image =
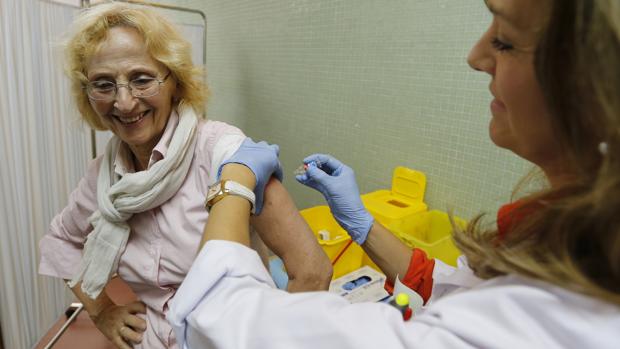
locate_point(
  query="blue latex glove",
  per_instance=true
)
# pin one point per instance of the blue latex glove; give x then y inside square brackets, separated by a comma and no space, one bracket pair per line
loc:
[262,159]
[336,181]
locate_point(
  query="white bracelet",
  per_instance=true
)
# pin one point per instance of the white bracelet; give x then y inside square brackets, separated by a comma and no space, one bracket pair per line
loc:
[223,188]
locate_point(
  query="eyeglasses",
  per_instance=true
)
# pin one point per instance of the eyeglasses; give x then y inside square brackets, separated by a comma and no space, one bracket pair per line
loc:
[141,87]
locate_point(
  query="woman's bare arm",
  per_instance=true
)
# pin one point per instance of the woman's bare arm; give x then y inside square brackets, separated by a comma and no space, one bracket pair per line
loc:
[286,233]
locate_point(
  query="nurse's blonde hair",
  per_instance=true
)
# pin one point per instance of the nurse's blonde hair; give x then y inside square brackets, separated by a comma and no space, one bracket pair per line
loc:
[570,235]
[163,41]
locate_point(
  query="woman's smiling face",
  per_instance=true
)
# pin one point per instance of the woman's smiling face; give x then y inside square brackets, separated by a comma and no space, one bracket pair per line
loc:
[123,57]
[521,121]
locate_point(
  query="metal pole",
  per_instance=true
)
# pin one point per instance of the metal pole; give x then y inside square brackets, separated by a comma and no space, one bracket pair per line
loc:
[64,327]
[178,8]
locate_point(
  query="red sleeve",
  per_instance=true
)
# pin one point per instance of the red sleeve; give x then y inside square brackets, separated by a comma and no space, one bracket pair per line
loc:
[419,275]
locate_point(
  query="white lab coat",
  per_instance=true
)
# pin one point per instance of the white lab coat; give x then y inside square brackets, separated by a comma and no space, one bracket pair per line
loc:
[228,300]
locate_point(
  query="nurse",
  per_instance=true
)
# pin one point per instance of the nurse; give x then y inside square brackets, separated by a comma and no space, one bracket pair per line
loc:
[548,277]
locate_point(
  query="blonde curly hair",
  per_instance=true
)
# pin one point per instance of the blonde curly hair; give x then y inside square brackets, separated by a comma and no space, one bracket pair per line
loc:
[163,41]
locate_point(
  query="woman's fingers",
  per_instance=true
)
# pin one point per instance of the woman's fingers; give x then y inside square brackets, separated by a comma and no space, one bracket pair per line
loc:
[134,325]
[122,325]
[120,343]
[130,335]
[135,322]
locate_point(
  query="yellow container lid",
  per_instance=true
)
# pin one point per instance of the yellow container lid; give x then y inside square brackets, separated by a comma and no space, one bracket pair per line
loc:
[394,207]
[405,197]
[409,183]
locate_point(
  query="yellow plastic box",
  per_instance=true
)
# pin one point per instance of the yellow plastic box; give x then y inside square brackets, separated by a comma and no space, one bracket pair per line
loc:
[431,231]
[402,211]
[320,220]
[394,208]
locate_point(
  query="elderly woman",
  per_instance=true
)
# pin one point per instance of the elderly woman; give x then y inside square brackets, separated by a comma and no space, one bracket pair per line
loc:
[140,209]
[547,277]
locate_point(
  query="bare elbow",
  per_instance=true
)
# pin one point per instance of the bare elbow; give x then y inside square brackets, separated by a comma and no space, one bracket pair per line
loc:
[315,275]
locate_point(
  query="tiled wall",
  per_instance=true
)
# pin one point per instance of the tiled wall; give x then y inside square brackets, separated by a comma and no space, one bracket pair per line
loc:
[375,83]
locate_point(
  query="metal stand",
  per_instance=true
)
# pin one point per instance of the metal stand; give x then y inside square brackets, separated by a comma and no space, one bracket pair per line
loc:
[78,309]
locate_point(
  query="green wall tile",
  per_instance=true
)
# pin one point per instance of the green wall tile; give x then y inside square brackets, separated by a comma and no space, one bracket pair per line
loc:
[375,83]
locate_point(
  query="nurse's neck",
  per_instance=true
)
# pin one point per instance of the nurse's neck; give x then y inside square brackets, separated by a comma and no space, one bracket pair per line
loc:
[558,175]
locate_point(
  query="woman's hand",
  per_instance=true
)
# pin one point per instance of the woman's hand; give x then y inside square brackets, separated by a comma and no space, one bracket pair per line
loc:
[121,325]
[262,159]
[336,181]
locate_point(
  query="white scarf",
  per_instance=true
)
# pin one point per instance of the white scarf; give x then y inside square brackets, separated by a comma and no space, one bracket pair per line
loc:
[135,192]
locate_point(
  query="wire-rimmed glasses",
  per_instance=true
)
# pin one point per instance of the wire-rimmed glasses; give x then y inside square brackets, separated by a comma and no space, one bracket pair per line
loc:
[142,87]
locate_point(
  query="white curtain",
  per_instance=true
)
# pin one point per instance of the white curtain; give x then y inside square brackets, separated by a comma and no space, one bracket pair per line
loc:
[43,153]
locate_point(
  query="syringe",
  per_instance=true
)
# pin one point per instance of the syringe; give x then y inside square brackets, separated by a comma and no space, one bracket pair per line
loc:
[304,167]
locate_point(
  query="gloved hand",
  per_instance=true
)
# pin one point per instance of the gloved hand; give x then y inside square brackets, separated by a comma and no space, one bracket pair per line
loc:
[336,181]
[262,159]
